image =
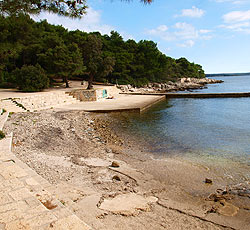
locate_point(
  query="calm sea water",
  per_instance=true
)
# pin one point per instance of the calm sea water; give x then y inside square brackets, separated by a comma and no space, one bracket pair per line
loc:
[216,129]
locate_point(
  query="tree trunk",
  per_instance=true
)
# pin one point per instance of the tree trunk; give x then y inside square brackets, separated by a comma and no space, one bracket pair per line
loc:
[65,79]
[90,81]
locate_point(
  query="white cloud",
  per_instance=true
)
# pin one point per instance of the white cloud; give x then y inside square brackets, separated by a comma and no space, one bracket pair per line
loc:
[236,16]
[162,28]
[205,31]
[238,21]
[181,32]
[89,23]
[194,12]
[187,44]
[236,26]
[162,32]
[185,31]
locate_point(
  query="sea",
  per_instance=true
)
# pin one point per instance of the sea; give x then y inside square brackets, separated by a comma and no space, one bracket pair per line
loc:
[213,132]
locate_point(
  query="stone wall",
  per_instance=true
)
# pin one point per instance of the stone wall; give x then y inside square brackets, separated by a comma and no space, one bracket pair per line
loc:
[84,94]
[95,94]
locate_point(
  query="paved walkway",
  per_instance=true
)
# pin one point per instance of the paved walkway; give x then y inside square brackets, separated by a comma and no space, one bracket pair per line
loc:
[120,103]
[24,201]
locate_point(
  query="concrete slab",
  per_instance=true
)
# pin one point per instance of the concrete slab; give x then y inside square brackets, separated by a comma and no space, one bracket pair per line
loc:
[3,119]
[136,103]
[128,204]
[120,102]
[69,223]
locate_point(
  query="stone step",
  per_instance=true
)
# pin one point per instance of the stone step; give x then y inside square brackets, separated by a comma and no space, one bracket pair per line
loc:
[10,106]
[3,118]
[26,202]
[39,102]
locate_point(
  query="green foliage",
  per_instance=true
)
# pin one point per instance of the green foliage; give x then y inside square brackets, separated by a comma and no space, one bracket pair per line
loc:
[2,135]
[30,78]
[70,8]
[3,111]
[90,56]
[62,61]
[10,114]
[98,64]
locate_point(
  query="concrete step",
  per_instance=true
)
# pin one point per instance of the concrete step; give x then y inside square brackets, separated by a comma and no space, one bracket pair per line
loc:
[26,203]
[10,106]
[46,100]
[38,102]
[3,118]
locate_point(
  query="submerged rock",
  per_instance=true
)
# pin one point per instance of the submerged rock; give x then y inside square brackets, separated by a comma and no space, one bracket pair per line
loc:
[227,209]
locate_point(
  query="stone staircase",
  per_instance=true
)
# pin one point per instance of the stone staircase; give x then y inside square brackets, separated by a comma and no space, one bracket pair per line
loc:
[8,105]
[37,102]
[25,200]
[3,118]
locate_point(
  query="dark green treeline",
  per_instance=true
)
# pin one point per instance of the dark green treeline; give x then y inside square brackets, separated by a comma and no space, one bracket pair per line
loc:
[32,54]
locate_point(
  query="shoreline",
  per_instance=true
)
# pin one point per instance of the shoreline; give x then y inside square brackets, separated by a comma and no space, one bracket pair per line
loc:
[120,103]
[85,144]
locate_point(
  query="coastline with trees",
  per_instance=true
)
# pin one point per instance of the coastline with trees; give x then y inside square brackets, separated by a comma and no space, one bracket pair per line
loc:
[62,54]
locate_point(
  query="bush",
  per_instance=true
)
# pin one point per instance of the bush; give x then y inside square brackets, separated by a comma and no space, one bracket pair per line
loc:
[30,78]
[141,82]
[2,135]
[3,111]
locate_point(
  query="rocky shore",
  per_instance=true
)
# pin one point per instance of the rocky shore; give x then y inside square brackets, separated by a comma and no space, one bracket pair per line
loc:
[110,182]
[181,85]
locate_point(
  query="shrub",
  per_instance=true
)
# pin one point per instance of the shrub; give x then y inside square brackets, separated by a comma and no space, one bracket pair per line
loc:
[3,111]
[2,135]
[30,78]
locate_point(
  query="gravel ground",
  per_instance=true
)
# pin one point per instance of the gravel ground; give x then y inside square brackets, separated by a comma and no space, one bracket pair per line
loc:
[73,151]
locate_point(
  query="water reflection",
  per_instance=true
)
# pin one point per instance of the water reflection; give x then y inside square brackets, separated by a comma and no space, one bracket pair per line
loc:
[218,127]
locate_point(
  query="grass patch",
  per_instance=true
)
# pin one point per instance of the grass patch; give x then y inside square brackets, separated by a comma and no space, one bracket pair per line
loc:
[10,113]
[3,111]
[2,135]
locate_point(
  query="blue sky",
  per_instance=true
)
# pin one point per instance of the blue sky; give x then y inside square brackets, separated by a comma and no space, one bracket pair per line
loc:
[213,33]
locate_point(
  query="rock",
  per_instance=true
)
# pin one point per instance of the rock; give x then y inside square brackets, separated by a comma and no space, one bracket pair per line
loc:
[116,178]
[227,209]
[115,164]
[127,204]
[216,197]
[124,88]
[208,181]
[157,85]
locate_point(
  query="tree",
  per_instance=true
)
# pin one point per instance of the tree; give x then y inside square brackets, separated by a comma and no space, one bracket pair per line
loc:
[30,78]
[62,61]
[96,63]
[69,8]
[105,58]
[123,58]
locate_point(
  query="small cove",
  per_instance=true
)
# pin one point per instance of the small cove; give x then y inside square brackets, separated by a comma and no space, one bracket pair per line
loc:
[214,132]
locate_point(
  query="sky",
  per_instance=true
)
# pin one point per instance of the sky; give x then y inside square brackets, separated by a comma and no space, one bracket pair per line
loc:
[212,33]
